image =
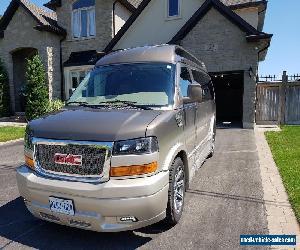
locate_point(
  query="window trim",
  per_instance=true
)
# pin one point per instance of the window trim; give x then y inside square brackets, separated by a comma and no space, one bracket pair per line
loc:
[68,79]
[169,18]
[88,24]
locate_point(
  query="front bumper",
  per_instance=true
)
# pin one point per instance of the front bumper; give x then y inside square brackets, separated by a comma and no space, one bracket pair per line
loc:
[97,207]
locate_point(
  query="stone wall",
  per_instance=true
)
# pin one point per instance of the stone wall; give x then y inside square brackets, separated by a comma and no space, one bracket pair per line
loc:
[19,34]
[222,46]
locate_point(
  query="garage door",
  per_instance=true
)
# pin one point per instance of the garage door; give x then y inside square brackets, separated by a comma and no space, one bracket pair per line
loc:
[229,88]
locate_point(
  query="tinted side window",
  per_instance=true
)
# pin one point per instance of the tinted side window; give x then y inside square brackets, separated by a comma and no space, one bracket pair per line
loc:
[204,80]
[185,80]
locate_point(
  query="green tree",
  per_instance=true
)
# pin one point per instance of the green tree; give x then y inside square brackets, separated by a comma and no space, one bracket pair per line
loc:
[4,92]
[37,95]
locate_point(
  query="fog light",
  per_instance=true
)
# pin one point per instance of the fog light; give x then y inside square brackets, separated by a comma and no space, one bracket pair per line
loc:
[49,217]
[78,223]
[128,218]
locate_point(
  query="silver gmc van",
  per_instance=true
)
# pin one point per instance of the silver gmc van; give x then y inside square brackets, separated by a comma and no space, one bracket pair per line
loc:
[122,152]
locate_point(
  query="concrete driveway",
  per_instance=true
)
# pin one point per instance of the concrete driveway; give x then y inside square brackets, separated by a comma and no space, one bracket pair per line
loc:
[225,200]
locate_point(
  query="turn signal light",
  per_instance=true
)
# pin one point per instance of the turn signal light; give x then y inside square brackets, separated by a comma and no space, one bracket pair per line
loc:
[29,162]
[133,170]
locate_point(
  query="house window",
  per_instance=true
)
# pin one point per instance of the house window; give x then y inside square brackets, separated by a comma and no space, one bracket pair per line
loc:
[173,8]
[77,77]
[83,19]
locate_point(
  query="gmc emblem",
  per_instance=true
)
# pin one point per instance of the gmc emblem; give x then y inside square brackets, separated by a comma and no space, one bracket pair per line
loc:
[64,159]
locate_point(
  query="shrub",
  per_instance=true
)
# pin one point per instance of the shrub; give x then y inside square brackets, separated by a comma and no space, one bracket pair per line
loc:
[37,95]
[4,92]
[55,105]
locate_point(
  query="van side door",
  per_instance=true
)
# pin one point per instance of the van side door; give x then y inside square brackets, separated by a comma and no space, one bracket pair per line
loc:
[189,110]
[203,116]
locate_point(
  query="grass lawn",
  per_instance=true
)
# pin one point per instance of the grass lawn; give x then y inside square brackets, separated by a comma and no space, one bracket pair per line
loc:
[11,133]
[285,147]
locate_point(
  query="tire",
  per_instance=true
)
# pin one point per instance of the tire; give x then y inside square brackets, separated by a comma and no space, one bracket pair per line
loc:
[177,184]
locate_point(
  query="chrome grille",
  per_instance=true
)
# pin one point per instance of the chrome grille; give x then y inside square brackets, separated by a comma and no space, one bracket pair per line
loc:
[95,157]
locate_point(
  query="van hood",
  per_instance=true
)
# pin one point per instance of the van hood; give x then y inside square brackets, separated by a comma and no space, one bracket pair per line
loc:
[86,124]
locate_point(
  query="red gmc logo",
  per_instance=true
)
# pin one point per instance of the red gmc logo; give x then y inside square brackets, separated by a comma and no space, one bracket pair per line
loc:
[64,159]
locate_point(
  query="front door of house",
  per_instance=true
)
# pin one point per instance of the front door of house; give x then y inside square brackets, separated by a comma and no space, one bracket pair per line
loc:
[20,57]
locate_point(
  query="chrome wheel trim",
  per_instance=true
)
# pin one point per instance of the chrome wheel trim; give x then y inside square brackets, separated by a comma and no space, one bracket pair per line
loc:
[178,189]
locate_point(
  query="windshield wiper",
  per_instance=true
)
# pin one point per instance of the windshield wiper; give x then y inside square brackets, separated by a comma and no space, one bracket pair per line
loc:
[83,104]
[79,103]
[128,103]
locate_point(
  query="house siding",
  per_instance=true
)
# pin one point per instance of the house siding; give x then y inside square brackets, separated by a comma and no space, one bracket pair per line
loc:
[104,31]
[121,16]
[152,26]
[222,46]
[250,15]
[21,34]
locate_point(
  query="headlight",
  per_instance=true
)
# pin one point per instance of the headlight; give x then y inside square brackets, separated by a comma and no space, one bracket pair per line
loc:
[139,146]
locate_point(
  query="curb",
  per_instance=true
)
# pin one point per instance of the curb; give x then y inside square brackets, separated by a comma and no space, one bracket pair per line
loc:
[11,142]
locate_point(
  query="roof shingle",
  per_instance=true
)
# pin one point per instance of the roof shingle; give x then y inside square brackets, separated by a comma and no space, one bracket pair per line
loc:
[47,21]
[135,3]
[235,4]
[53,4]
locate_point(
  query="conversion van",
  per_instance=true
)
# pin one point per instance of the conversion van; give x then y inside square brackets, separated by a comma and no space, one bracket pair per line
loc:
[122,152]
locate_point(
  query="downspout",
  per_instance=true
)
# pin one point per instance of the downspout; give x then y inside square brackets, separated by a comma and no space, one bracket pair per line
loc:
[114,19]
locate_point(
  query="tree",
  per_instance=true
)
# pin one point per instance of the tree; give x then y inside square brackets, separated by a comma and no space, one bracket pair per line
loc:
[37,95]
[4,92]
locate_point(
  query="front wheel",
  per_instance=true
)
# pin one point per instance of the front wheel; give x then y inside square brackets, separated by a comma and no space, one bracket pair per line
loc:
[176,192]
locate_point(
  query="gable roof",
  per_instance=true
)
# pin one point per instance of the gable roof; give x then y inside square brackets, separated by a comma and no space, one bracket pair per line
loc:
[225,5]
[131,5]
[127,25]
[47,21]
[252,34]
[239,4]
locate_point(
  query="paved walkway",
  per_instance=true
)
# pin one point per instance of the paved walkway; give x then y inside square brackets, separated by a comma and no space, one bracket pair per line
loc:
[280,216]
[13,124]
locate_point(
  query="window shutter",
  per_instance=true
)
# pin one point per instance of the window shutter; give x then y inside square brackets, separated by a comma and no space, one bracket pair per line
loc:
[92,26]
[84,23]
[76,24]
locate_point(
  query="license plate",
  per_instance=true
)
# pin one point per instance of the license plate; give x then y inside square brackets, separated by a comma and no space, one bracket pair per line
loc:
[62,206]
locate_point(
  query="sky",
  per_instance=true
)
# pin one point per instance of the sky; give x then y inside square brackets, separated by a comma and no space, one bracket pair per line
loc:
[282,20]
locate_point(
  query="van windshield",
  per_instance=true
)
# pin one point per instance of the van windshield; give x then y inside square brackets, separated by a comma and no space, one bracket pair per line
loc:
[144,84]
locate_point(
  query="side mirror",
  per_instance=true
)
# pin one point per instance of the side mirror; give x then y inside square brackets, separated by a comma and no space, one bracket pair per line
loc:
[194,93]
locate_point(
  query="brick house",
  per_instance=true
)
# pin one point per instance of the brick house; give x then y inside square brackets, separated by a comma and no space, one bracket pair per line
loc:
[226,34]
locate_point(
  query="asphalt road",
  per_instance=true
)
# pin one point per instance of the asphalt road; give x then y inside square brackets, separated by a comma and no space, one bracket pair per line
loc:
[225,200]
